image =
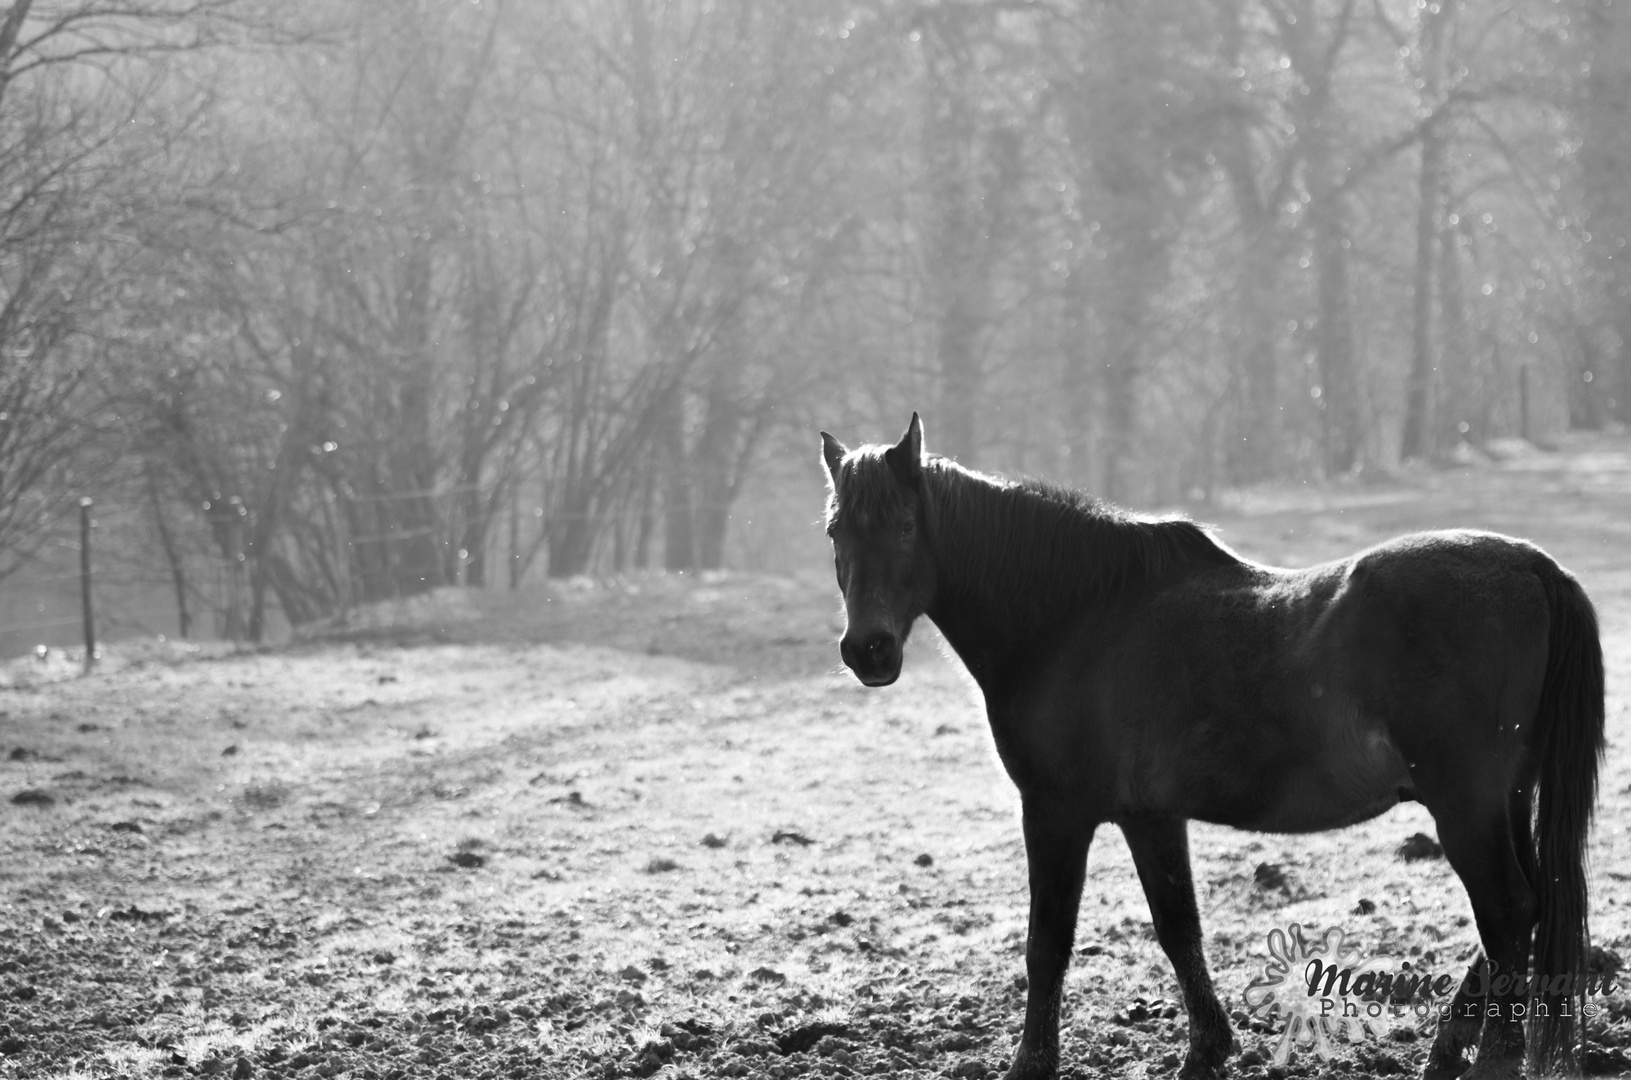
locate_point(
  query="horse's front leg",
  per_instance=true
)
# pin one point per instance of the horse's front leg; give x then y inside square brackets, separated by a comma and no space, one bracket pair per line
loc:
[1056,846]
[1160,850]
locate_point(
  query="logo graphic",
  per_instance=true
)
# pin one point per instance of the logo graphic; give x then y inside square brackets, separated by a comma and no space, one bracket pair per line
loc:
[1326,990]
[1317,1021]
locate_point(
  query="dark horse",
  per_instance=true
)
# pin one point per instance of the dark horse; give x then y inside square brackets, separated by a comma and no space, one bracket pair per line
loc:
[1137,671]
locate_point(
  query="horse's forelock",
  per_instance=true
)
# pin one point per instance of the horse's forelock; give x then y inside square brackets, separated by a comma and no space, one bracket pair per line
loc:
[867,490]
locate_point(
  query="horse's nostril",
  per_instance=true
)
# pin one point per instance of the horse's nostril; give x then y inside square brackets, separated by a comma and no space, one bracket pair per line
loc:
[879,644]
[874,649]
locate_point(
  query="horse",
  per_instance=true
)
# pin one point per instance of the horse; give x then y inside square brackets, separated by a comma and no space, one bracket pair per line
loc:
[1138,672]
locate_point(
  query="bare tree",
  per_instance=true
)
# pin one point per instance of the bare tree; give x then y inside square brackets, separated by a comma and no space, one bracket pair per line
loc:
[87,128]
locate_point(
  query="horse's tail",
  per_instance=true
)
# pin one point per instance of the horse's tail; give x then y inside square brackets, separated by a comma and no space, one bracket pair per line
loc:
[1570,745]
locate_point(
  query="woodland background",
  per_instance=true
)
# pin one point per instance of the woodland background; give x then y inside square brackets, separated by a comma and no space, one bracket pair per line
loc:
[330,303]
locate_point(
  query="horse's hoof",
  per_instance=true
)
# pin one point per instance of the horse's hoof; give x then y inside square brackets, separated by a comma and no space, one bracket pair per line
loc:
[1206,1060]
[1026,1067]
[1445,1072]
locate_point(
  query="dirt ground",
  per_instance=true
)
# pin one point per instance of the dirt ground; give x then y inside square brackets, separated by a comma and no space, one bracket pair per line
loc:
[653,826]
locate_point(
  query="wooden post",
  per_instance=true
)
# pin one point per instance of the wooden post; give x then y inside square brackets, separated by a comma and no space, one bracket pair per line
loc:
[85,582]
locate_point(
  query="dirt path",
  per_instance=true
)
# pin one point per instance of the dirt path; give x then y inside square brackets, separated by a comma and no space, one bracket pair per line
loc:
[607,832]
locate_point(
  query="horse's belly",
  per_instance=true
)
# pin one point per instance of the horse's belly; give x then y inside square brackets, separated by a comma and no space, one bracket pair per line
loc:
[1305,811]
[1351,777]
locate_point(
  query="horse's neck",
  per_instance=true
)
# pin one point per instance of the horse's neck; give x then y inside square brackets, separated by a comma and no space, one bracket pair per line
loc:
[1017,566]
[996,593]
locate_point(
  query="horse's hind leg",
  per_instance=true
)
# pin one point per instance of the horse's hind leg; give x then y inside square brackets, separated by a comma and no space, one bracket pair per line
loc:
[1458,1031]
[1056,852]
[1483,851]
[1160,850]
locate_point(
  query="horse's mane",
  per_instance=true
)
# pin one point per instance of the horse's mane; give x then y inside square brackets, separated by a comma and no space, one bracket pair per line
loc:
[1048,546]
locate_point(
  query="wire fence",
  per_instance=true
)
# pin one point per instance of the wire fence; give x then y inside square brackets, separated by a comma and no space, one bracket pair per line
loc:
[132,589]
[195,582]
[182,582]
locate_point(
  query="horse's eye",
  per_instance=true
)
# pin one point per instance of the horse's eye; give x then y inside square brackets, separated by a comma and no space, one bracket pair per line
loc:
[908,527]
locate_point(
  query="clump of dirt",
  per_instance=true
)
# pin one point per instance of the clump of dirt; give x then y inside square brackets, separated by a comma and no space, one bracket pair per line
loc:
[1420,846]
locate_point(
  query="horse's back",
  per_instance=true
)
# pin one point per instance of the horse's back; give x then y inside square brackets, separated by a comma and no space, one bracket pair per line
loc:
[1459,565]
[1439,612]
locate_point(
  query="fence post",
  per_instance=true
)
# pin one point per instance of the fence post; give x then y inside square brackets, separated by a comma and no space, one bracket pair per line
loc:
[85,582]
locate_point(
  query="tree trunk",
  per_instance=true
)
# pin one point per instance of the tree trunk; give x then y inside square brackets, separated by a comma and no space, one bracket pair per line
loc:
[1467,395]
[715,465]
[1124,148]
[1253,429]
[1253,451]
[516,566]
[1135,271]
[648,517]
[969,217]
[1314,61]
[478,517]
[952,267]
[172,555]
[571,537]
[679,537]
[1622,404]
[620,546]
[1416,439]
[418,563]
[1605,162]
[1334,335]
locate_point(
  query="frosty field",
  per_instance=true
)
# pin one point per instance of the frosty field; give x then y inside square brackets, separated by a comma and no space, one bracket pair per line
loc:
[653,826]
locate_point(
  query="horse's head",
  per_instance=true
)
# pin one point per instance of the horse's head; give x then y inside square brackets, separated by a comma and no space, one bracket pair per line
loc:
[885,570]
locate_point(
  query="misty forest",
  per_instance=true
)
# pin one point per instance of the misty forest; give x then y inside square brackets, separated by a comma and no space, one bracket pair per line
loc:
[324,303]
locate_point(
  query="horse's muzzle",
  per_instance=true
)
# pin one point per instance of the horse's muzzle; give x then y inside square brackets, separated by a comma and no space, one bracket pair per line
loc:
[875,658]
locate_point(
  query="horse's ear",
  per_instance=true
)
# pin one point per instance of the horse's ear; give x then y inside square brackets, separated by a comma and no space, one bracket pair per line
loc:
[906,456]
[832,452]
